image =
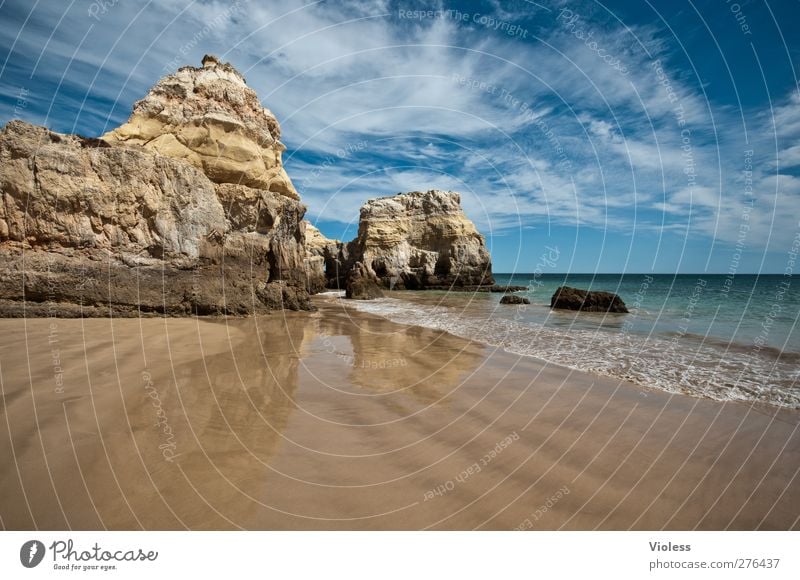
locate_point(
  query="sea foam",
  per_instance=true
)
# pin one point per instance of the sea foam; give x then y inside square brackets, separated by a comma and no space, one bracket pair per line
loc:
[679,364]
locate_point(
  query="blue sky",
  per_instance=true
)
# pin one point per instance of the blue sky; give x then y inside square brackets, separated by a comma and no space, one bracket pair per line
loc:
[632,136]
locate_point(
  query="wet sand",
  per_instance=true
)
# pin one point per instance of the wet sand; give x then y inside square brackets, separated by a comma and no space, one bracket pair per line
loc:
[338,420]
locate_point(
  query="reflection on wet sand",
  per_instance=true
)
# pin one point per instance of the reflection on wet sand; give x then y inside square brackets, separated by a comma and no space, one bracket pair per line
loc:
[396,360]
[174,423]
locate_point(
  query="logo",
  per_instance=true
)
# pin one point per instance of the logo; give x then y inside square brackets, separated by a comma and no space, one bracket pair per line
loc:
[31,553]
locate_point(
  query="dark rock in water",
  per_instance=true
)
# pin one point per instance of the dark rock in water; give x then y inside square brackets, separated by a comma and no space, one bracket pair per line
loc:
[514,299]
[362,284]
[568,298]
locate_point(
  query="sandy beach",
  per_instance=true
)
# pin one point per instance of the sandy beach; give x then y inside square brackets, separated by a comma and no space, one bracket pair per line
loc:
[341,420]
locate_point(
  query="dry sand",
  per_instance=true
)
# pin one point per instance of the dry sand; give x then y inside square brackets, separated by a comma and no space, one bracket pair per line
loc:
[337,420]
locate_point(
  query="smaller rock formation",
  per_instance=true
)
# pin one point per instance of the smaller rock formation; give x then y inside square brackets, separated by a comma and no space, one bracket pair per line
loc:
[327,261]
[514,299]
[568,298]
[412,241]
[362,284]
[422,240]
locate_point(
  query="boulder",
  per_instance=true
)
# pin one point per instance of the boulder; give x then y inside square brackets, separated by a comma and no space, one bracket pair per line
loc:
[362,284]
[568,298]
[514,299]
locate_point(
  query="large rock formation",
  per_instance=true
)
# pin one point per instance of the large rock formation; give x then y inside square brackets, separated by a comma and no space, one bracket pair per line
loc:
[568,298]
[136,224]
[213,120]
[418,240]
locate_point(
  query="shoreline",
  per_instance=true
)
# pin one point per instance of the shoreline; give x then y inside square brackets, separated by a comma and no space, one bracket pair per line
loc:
[604,345]
[755,406]
[337,419]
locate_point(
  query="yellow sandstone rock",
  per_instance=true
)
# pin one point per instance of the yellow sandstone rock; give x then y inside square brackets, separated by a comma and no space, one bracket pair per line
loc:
[209,117]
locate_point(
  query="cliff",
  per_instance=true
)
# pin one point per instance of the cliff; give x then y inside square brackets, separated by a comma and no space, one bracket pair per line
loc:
[185,209]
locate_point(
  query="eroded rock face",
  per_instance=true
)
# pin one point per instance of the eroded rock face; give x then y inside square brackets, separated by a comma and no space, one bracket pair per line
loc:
[421,240]
[209,117]
[362,284]
[59,192]
[568,298]
[125,226]
[316,250]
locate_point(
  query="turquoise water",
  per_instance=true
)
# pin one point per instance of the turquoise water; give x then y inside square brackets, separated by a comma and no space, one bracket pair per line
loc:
[726,338]
[745,309]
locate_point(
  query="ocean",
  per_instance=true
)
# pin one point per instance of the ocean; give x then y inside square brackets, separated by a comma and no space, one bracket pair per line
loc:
[729,338]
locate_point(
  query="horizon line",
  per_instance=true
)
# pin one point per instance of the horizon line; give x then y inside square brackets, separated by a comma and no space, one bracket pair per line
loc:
[643,273]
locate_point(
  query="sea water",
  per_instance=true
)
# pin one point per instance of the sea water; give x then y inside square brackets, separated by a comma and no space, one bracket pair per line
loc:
[717,336]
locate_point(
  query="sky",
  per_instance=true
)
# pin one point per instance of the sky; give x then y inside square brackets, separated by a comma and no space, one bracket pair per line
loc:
[627,136]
